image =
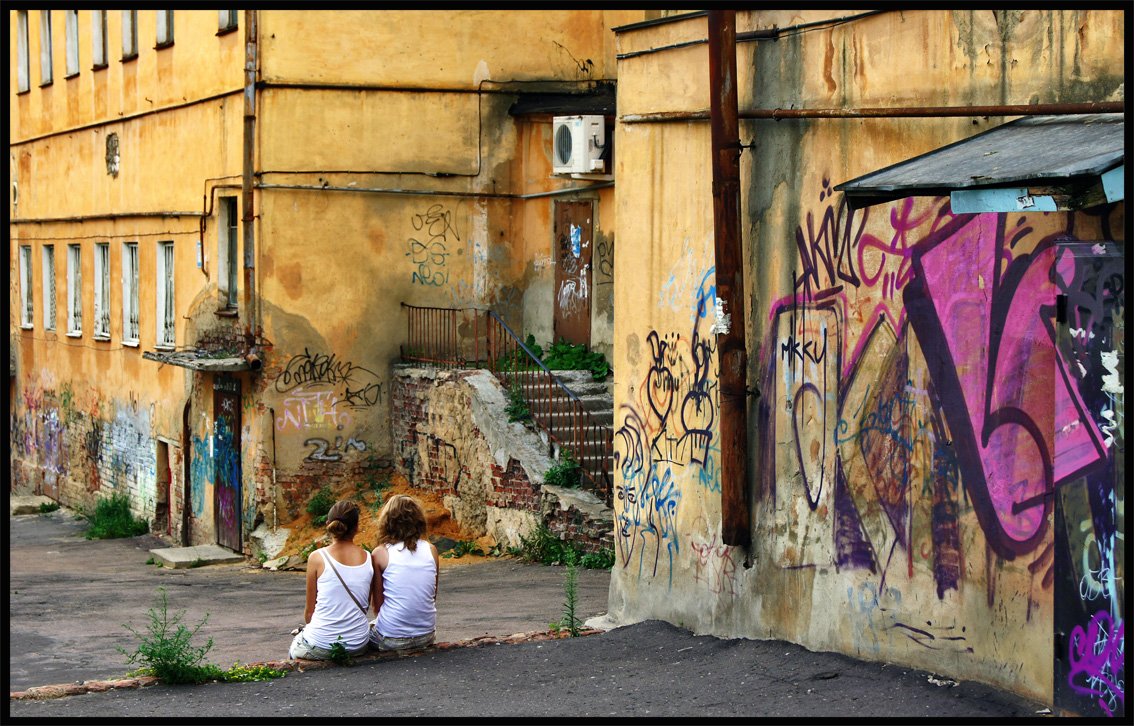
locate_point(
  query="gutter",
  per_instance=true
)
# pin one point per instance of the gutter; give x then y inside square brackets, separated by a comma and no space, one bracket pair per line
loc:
[248,212]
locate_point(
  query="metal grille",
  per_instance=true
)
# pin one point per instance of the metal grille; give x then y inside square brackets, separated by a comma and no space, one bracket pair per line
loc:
[74,289]
[49,287]
[167,316]
[102,291]
[25,284]
[130,292]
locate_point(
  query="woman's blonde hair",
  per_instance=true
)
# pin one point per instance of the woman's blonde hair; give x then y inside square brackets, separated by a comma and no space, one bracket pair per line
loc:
[342,520]
[401,520]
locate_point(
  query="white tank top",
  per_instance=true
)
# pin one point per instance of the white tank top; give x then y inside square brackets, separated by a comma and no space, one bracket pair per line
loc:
[409,585]
[335,613]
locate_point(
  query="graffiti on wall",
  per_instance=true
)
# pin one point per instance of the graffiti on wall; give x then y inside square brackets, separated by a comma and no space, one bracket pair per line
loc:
[666,435]
[428,249]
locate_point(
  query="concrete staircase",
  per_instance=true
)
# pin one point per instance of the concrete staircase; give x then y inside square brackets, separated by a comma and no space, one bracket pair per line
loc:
[597,400]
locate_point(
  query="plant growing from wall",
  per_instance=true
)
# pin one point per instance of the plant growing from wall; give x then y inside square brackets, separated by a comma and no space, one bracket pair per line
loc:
[517,407]
[564,356]
[112,519]
[320,503]
[565,472]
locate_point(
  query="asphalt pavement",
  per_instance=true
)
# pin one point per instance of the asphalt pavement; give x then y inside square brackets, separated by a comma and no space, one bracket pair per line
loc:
[69,598]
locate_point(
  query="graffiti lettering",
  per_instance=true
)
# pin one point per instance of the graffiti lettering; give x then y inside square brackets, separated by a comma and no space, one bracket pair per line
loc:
[323,451]
[1096,657]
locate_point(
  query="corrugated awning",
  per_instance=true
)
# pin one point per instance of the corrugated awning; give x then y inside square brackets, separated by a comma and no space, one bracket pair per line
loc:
[1032,163]
[599,100]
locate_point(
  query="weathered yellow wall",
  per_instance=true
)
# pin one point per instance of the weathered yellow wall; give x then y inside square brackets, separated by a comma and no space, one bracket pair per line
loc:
[864,540]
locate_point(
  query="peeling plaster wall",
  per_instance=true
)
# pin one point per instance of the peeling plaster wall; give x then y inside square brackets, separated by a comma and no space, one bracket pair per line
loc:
[898,513]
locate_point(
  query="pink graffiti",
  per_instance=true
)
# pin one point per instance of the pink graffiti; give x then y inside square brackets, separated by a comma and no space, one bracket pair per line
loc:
[1001,359]
[1097,655]
[715,566]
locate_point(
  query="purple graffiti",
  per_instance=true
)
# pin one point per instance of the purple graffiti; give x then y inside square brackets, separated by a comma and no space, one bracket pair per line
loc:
[1096,655]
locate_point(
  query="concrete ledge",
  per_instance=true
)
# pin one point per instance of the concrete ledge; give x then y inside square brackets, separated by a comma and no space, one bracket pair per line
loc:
[180,558]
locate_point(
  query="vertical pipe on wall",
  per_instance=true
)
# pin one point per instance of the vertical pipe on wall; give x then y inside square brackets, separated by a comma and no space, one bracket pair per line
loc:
[730,326]
[249,158]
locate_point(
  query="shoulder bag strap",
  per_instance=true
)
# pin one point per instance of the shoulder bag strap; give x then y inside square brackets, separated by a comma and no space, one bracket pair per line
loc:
[331,564]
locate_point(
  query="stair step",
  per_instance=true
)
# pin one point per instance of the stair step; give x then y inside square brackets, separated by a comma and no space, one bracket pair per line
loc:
[603,417]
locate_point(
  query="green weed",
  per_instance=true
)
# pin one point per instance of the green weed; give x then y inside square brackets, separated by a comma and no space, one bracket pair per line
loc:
[166,650]
[601,560]
[462,548]
[308,549]
[338,653]
[112,519]
[565,472]
[48,507]
[244,674]
[564,356]
[517,407]
[544,547]
[570,620]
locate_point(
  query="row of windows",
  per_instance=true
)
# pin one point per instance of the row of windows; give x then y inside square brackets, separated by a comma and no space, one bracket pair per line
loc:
[164,18]
[129,278]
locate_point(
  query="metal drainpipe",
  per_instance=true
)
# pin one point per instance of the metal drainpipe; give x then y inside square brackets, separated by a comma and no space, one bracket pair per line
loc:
[732,356]
[248,213]
[776,114]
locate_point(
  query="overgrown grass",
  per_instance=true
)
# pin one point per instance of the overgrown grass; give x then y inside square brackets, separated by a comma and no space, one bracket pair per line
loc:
[564,356]
[463,547]
[112,519]
[48,507]
[565,472]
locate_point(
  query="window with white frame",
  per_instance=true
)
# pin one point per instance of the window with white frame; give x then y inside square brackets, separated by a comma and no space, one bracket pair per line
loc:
[164,28]
[102,290]
[49,287]
[129,34]
[227,20]
[26,305]
[98,39]
[130,293]
[74,290]
[166,329]
[227,249]
[71,31]
[21,51]
[45,72]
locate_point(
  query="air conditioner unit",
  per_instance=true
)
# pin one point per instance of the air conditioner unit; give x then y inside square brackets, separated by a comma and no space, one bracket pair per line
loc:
[578,143]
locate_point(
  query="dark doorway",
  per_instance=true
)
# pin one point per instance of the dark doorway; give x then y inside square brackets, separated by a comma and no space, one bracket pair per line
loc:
[226,462]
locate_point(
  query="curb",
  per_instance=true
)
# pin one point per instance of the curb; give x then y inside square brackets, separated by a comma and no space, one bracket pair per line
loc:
[40,693]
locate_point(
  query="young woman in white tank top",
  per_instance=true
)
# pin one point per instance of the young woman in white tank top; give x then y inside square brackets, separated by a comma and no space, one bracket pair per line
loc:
[340,587]
[405,578]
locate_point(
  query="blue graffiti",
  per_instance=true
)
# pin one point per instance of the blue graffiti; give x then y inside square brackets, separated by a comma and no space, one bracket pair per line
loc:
[200,474]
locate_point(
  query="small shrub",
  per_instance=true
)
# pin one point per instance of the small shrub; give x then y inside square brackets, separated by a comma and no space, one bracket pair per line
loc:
[543,546]
[517,407]
[307,550]
[244,674]
[48,507]
[321,502]
[565,472]
[112,519]
[564,356]
[166,650]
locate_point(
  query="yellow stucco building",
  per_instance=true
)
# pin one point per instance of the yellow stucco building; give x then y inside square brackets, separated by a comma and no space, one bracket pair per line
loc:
[215,218]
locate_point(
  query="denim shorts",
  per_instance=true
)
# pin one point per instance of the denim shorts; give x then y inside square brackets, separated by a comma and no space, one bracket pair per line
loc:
[300,648]
[381,643]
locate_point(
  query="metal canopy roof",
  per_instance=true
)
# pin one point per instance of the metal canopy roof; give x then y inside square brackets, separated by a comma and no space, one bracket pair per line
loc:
[1037,150]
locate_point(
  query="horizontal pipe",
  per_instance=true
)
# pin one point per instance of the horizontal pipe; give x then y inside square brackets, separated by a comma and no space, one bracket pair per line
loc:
[90,217]
[348,87]
[430,193]
[777,114]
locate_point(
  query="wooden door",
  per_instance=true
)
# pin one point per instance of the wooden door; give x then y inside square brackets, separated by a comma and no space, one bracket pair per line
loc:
[226,462]
[573,248]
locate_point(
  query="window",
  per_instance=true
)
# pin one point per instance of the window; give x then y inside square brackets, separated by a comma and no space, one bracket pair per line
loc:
[102,290]
[227,248]
[22,51]
[74,290]
[129,34]
[25,287]
[165,316]
[164,28]
[49,287]
[72,37]
[98,39]
[227,20]
[130,293]
[45,75]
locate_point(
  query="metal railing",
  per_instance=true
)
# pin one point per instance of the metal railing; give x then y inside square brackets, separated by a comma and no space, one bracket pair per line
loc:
[456,337]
